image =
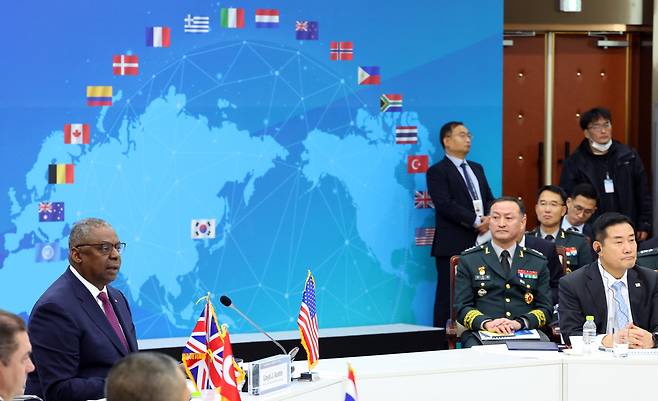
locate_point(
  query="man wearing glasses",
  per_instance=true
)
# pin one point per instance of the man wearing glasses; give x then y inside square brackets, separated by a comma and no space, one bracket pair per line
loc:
[550,208]
[461,196]
[81,326]
[581,205]
[613,169]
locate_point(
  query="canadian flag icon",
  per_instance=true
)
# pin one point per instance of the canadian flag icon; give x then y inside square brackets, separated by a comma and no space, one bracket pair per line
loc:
[76,134]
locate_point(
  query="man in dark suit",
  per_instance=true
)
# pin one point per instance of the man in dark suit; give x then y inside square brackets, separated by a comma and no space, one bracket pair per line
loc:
[461,197]
[81,326]
[616,291]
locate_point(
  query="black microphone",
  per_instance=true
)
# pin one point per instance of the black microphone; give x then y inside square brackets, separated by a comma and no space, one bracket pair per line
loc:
[226,301]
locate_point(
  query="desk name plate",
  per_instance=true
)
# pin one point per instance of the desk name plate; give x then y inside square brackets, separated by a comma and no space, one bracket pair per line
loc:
[269,374]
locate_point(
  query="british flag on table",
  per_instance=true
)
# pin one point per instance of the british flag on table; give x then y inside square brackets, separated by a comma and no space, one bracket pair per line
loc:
[308,323]
[206,351]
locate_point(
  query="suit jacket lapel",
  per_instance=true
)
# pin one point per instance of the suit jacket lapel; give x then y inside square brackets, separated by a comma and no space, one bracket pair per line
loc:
[457,176]
[635,295]
[124,318]
[595,287]
[95,313]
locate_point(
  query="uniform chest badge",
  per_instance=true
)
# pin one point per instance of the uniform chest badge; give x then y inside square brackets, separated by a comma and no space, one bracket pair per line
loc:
[570,251]
[528,298]
[527,273]
[482,292]
[482,270]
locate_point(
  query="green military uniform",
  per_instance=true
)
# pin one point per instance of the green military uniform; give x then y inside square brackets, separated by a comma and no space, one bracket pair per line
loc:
[576,246]
[483,291]
[648,258]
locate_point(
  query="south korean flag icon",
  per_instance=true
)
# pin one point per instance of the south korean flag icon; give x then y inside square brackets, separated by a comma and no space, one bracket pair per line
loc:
[203,228]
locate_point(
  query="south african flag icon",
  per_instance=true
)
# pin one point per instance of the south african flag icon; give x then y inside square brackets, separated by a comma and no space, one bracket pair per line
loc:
[389,103]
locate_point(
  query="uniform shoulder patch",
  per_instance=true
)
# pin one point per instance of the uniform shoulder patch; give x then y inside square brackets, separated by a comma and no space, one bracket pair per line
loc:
[573,234]
[648,252]
[534,252]
[473,249]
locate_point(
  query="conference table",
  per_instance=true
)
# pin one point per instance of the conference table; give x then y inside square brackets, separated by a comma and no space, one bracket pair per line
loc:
[480,373]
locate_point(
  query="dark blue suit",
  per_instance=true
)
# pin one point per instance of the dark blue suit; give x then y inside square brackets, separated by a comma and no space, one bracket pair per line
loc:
[454,223]
[73,344]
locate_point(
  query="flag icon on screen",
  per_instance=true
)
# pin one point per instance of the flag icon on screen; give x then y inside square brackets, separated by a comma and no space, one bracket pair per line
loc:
[422,200]
[417,164]
[232,17]
[267,18]
[76,134]
[196,24]
[369,75]
[406,134]
[424,236]
[389,103]
[307,30]
[203,228]
[341,50]
[51,211]
[99,96]
[60,174]
[47,252]
[124,64]
[158,36]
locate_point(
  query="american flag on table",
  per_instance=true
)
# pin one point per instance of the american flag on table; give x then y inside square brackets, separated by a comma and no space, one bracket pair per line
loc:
[308,323]
[203,352]
[424,236]
[422,200]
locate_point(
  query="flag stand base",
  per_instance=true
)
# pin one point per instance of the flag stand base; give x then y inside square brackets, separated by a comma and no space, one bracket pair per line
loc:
[309,376]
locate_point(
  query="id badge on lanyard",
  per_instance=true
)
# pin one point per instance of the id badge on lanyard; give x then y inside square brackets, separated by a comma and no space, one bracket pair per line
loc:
[477,206]
[608,185]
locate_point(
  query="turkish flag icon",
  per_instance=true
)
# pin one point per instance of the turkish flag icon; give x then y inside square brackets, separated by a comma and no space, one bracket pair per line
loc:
[418,164]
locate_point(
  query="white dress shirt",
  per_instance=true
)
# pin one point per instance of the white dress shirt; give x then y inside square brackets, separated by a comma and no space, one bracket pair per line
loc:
[608,281]
[566,225]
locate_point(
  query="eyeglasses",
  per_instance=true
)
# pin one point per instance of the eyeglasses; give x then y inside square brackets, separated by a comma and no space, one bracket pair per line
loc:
[550,204]
[579,209]
[599,127]
[106,247]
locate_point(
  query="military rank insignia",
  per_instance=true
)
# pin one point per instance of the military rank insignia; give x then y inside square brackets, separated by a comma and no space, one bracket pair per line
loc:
[570,251]
[482,292]
[527,273]
[482,270]
[528,298]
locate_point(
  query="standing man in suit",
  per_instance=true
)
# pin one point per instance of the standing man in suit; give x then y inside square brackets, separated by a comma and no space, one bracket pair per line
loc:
[461,197]
[15,362]
[550,209]
[614,290]
[581,205]
[501,286]
[81,326]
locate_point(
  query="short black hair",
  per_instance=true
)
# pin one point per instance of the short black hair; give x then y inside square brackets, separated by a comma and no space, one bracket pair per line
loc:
[514,199]
[594,114]
[446,129]
[606,220]
[552,188]
[585,190]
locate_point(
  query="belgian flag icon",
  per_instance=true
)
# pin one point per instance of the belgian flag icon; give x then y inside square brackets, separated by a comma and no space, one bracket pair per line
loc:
[60,174]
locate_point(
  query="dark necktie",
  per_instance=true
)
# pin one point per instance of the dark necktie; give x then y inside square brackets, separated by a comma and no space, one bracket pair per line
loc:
[549,237]
[469,183]
[504,261]
[112,318]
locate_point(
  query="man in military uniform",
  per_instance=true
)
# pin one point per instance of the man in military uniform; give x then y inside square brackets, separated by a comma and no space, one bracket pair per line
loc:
[550,209]
[500,286]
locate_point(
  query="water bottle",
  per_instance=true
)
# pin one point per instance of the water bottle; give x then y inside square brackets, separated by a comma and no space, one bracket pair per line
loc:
[589,335]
